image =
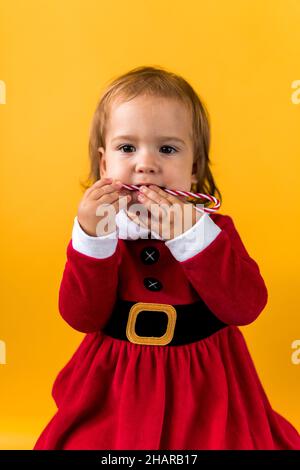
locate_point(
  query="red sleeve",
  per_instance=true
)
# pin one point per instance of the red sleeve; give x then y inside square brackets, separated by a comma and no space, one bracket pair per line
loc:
[227,278]
[88,289]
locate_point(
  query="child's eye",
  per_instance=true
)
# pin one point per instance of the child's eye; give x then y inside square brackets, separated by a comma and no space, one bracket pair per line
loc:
[123,147]
[168,147]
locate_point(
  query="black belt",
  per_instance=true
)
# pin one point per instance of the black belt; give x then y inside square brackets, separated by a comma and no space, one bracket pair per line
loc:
[161,324]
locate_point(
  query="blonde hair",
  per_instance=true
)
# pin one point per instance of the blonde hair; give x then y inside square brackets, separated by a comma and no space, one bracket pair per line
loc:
[162,83]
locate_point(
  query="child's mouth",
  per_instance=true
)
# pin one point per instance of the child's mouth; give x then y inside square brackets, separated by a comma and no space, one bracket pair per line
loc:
[133,193]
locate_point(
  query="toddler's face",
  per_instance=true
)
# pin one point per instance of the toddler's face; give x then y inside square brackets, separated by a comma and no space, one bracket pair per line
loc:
[141,145]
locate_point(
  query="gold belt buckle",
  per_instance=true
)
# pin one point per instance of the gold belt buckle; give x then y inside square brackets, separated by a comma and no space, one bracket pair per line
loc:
[154,340]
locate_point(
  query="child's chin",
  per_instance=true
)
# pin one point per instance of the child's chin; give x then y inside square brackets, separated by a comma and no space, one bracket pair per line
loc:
[137,203]
[133,199]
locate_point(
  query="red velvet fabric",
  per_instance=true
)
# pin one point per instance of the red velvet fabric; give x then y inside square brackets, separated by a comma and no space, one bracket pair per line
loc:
[114,394]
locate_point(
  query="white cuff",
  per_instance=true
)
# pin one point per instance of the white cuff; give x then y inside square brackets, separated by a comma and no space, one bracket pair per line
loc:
[97,247]
[195,239]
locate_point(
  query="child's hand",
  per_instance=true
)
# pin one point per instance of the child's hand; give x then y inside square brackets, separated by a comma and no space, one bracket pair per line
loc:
[104,191]
[163,221]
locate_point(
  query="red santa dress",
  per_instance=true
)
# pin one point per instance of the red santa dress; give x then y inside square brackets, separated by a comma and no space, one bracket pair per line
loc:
[116,394]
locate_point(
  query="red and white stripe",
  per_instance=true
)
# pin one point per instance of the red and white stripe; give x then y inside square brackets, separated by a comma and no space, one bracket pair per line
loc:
[175,192]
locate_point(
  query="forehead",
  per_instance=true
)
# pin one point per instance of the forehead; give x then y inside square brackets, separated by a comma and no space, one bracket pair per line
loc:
[150,114]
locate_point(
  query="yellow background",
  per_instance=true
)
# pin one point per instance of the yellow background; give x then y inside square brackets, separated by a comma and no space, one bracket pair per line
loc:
[56,56]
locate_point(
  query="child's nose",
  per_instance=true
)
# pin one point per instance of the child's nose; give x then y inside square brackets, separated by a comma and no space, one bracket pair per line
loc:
[147,165]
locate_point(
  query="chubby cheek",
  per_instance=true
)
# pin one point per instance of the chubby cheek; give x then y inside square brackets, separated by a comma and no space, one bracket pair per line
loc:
[116,169]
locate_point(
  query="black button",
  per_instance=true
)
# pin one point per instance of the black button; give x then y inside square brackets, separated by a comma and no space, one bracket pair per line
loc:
[149,255]
[152,284]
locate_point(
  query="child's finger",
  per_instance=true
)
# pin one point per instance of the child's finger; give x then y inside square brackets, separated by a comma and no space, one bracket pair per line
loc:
[98,184]
[158,195]
[98,192]
[157,206]
[113,199]
[121,201]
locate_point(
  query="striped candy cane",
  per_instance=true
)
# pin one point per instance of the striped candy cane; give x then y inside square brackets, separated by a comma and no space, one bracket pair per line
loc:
[175,192]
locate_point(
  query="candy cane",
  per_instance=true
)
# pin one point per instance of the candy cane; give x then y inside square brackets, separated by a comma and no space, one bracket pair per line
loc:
[175,192]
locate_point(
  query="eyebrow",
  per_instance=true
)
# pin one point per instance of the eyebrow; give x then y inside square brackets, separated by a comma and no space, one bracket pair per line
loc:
[131,137]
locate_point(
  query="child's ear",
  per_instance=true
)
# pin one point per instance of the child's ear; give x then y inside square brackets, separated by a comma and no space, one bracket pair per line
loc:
[102,162]
[101,151]
[194,173]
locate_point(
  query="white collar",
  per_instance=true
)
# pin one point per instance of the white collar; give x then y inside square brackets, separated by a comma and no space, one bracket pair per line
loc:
[128,230]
